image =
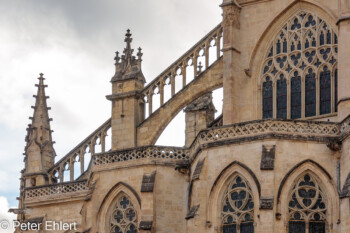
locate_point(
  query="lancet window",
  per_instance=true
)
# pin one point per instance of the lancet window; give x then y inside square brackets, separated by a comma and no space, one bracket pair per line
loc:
[299,73]
[238,207]
[307,207]
[124,216]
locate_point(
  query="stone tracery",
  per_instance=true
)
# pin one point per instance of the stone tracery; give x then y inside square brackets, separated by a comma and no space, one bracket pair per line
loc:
[124,216]
[238,207]
[299,74]
[307,206]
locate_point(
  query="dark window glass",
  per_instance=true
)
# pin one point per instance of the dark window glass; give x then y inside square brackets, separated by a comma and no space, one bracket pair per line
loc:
[282,97]
[231,228]
[317,227]
[336,90]
[310,94]
[247,227]
[296,227]
[267,98]
[325,91]
[296,96]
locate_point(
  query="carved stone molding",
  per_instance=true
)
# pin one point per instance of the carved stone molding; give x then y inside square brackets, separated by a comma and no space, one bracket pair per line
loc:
[231,15]
[268,158]
[192,212]
[266,203]
[148,182]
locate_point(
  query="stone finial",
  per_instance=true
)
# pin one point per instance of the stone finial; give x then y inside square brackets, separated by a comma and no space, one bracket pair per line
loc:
[127,66]
[139,54]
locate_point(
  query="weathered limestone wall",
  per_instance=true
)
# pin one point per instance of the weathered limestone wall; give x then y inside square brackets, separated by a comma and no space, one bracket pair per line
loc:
[169,196]
[207,190]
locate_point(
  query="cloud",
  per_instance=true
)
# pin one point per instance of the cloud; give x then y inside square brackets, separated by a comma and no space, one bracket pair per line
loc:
[6,218]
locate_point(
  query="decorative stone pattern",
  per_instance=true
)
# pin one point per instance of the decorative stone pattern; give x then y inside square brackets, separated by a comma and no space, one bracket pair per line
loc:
[268,158]
[56,189]
[178,69]
[266,203]
[148,182]
[151,152]
[311,130]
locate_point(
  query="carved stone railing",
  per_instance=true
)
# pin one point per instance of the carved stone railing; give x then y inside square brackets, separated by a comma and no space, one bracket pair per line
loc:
[56,190]
[310,130]
[149,152]
[78,154]
[177,70]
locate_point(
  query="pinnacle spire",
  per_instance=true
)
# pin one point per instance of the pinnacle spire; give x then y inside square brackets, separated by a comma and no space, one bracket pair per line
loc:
[39,131]
[128,66]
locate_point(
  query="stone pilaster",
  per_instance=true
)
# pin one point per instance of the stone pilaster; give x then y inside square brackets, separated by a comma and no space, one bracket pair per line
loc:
[344,60]
[231,52]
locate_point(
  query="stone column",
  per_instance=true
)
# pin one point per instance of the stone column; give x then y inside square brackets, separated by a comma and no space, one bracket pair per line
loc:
[231,54]
[199,114]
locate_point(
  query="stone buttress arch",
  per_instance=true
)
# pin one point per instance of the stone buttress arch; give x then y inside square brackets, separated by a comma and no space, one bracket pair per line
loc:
[220,186]
[107,204]
[150,129]
[324,180]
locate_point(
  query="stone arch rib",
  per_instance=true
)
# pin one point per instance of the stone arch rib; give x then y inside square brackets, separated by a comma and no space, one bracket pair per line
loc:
[295,168]
[133,191]
[245,168]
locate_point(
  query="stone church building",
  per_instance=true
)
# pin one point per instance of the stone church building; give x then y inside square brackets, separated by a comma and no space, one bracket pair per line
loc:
[276,161]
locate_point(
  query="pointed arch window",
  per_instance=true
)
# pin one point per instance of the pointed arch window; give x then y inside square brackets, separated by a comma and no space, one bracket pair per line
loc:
[307,207]
[124,216]
[238,207]
[304,52]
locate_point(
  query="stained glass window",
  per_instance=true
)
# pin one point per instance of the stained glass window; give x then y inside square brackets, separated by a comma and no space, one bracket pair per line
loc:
[296,96]
[310,94]
[336,89]
[124,217]
[267,98]
[307,207]
[305,42]
[282,97]
[238,207]
[325,91]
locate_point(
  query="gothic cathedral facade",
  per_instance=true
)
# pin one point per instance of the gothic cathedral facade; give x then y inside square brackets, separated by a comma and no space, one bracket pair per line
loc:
[276,161]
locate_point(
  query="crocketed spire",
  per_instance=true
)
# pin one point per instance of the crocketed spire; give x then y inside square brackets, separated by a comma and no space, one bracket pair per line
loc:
[39,138]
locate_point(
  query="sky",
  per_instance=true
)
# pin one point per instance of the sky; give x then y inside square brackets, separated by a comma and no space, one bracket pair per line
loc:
[73,42]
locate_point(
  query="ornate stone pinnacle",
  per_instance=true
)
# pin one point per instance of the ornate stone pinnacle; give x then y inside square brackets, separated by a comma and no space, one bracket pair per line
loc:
[117,58]
[128,51]
[139,54]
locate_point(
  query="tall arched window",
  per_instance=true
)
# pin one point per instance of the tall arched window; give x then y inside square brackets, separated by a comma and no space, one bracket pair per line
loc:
[304,53]
[124,216]
[307,207]
[238,207]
